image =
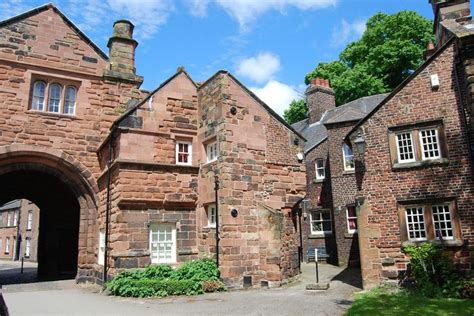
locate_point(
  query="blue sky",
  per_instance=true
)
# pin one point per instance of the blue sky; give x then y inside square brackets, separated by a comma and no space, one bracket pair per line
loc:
[267,44]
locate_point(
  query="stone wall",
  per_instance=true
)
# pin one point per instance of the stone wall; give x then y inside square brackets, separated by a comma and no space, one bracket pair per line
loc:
[256,243]
[44,46]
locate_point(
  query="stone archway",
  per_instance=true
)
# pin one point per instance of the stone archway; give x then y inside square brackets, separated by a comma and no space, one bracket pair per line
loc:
[66,193]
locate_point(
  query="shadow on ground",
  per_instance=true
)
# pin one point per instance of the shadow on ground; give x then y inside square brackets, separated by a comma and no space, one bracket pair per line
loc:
[351,276]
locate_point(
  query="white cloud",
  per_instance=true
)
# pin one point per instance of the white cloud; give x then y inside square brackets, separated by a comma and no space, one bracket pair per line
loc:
[277,95]
[146,15]
[9,8]
[347,32]
[246,11]
[260,68]
[198,7]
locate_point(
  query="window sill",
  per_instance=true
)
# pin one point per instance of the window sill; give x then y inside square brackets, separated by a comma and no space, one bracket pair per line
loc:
[58,115]
[348,172]
[318,180]
[447,243]
[313,236]
[420,164]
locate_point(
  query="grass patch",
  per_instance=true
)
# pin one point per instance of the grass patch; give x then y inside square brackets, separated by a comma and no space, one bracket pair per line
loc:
[386,301]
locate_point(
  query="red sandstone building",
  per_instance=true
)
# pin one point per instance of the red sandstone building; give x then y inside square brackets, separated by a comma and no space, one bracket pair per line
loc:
[133,173]
[19,221]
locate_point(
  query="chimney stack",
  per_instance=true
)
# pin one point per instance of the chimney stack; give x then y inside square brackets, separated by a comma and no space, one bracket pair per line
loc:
[430,49]
[122,54]
[320,98]
[448,12]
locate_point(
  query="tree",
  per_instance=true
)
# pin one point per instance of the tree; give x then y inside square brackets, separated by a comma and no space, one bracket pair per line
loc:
[390,50]
[296,112]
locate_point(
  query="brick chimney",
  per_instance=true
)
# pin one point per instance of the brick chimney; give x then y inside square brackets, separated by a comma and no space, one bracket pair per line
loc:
[447,12]
[319,98]
[122,53]
[430,49]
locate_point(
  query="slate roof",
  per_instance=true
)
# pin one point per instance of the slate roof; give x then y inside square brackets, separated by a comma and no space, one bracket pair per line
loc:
[11,205]
[355,110]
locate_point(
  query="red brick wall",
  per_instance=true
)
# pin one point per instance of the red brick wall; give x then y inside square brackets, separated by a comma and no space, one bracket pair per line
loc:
[384,187]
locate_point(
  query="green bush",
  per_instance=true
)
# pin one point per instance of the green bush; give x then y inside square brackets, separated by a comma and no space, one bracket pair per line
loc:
[434,273]
[191,278]
[198,270]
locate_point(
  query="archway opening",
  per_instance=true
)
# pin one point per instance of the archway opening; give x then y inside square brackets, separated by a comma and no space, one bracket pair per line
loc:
[58,238]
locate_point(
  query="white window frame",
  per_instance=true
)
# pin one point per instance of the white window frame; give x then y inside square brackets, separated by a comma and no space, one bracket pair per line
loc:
[323,168]
[349,230]
[443,221]
[66,100]
[29,223]
[190,152]
[9,219]
[38,101]
[418,222]
[7,245]
[412,145]
[51,99]
[1,243]
[15,218]
[211,215]
[212,151]
[347,157]
[423,154]
[27,247]
[155,228]
[320,219]
[101,252]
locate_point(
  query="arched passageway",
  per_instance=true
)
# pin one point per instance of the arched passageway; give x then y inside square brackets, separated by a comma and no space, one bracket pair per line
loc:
[55,182]
[59,219]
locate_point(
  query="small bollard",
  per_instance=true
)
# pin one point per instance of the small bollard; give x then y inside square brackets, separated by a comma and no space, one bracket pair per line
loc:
[317,286]
[22,260]
[316,261]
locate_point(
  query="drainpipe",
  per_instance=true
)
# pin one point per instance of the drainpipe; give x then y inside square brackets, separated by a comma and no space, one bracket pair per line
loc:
[107,207]
[216,189]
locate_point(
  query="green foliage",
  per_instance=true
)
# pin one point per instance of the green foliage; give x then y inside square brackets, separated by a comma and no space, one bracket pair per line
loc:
[191,278]
[152,287]
[197,270]
[389,301]
[434,273]
[390,49]
[296,112]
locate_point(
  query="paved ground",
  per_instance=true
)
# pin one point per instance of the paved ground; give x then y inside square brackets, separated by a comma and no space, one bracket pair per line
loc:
[68,299]
[10,272]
